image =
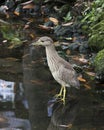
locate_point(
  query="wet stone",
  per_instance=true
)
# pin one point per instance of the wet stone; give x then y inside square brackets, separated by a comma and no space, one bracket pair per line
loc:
[74,46]
[84,48]
[63,31]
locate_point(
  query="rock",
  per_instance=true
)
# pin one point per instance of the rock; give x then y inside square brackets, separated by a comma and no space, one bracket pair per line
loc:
[99,65]
[63,31]
[64,10]
[84,48]
[74,46]
[49,24]
[45,10]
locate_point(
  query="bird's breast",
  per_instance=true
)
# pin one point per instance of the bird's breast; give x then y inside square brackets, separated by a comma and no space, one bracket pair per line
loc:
[53,64]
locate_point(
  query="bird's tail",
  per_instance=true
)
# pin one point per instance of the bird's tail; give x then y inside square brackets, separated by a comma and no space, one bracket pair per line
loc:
[76,84]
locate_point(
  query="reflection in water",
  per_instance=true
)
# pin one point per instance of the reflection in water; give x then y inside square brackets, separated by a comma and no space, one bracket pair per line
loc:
[12,95]
[50,105]
[7,91]
[36,85]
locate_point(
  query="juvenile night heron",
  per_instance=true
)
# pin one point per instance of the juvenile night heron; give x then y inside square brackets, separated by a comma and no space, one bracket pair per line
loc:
[61,70]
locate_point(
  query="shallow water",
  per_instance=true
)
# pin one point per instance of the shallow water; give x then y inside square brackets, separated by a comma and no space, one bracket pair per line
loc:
[29,104]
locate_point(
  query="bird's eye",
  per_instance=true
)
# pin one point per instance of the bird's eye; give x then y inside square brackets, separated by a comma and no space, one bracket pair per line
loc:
[42,41]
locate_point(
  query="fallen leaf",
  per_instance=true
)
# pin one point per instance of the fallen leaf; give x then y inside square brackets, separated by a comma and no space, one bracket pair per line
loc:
[66,126]
[32,36]
[7,16]
[87,86]
[64,43]
[74,39]
[91,74]
[57,43]
[81,79]
[45,27]
[28,2]
[37,61]
[29,20]
[26,26]
[12,59]
[68,52]
[2,119]
[69,126]
[67,24]
[16,13]
[46,20]
[26,55]
[75,58]
[54,20]
[82,37]
[68,38]
[4,41]
[38,82]
[83,60]
[29,6]
[11,46]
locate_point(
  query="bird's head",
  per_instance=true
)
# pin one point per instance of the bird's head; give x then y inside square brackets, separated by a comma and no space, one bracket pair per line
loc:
[44,41]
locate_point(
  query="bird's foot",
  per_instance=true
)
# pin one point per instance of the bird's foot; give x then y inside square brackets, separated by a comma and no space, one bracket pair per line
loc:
[63,100]
[58,96]
[61,95]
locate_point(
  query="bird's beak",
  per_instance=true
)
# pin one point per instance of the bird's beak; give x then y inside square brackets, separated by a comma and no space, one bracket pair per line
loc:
[37,43]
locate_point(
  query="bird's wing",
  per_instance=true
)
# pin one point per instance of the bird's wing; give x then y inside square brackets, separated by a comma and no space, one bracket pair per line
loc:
[68,74]
[66,64]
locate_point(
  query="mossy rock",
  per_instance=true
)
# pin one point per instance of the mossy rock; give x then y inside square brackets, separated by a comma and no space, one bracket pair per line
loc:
[99,63]
[96,40]
[64,10]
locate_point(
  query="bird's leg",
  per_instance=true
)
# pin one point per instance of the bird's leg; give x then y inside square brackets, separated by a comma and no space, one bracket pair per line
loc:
[60,93]
[64,94]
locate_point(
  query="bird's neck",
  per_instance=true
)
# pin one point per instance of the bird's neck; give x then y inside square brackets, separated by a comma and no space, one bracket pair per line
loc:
[51,51]
[52,58]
